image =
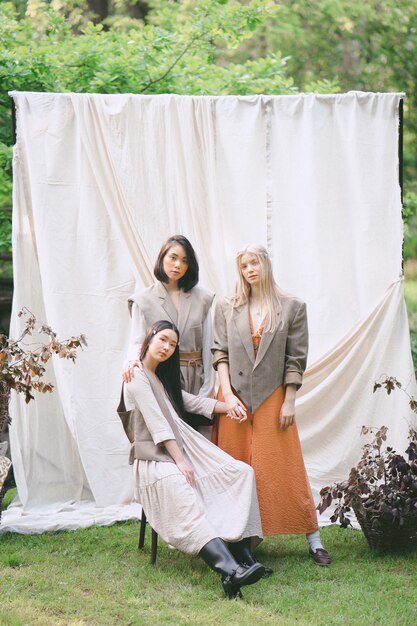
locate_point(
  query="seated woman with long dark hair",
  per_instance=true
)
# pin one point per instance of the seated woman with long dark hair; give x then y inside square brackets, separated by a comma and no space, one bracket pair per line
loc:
[194,495]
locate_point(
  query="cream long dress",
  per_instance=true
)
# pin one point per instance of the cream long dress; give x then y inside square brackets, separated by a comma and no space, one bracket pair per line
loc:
[223,503]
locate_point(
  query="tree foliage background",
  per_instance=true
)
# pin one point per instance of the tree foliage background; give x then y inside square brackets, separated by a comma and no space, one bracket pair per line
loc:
[209,47]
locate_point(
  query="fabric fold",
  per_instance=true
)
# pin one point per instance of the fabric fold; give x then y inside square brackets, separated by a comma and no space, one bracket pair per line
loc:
[337,397]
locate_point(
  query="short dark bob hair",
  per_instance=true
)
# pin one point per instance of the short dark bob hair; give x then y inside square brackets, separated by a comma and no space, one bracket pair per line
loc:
[190,278]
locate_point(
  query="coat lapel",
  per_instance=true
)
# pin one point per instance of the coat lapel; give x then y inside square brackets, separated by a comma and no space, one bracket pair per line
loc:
[167,304]
[184,310]
[241,320]
[264,344]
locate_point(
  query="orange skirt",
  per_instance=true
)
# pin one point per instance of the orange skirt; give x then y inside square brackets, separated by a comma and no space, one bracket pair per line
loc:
[285,500]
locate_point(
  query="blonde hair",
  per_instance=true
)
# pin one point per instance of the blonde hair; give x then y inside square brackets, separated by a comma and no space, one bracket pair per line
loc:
[269,290]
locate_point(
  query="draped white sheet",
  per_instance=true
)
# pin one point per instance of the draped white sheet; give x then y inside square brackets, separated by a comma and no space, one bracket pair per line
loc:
[100,181]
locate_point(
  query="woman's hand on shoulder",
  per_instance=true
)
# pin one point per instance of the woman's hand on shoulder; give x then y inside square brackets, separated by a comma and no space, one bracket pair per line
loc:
[127,373]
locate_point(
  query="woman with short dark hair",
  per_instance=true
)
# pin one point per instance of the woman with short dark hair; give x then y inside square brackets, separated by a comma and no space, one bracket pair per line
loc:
[177,297]
[194,495]
[190,278]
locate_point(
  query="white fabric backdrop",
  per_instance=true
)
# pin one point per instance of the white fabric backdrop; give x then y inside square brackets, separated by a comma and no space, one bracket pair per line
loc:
[100,181]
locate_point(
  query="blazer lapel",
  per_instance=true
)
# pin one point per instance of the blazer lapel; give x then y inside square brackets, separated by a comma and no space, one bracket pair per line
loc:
[184,310]
[264,344]
[241,320]
[167,304]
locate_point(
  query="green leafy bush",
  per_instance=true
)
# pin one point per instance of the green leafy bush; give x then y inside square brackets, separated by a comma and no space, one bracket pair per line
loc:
[413,340]
[5,232]
[410,226]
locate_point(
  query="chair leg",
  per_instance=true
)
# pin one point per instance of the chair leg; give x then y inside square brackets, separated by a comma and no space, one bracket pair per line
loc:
[154,546]
[142,530]
[154,538]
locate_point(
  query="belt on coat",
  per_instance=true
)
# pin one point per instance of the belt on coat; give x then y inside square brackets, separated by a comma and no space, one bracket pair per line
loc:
[191,358]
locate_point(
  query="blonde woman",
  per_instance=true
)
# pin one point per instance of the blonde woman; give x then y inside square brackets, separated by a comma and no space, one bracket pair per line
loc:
[260,352]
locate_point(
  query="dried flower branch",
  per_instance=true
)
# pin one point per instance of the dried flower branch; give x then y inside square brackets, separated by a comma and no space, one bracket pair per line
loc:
[22,365]
[383,484]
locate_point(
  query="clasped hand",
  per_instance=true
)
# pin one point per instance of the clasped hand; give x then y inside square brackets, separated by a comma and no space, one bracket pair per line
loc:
[236,410]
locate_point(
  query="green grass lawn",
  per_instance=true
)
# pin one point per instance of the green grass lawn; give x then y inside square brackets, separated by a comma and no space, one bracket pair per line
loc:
[97,577]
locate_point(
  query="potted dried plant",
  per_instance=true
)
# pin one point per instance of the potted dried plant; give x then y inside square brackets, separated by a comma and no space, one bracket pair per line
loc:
[23,365]
[381,488]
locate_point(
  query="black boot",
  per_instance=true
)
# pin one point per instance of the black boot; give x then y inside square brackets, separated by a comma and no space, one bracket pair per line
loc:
[217,556]
[242,552]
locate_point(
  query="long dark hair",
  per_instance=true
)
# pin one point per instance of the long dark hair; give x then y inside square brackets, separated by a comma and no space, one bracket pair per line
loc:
[168,371]
[190,278]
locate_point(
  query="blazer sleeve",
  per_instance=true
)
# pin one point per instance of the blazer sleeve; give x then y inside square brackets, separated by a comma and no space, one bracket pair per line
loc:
[198,404]
[140,392]
[137,333]
[296,348]
[207,388]
[220,347]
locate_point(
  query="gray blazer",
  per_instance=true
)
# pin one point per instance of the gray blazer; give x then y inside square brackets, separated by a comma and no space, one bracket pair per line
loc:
[155,304]
[193,321]
[282,354]
[150,423]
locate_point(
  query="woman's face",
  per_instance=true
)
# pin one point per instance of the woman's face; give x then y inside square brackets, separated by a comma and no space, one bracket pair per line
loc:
[162,345]
[175,262]
[250,268]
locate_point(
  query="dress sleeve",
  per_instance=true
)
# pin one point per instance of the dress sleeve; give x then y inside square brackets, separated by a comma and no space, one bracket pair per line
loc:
[140,392]
[220,347]
[137,333]
[198,404]
[207,388]
[296,348]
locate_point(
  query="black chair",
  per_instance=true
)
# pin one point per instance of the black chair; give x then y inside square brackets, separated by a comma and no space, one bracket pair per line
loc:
[154,538]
